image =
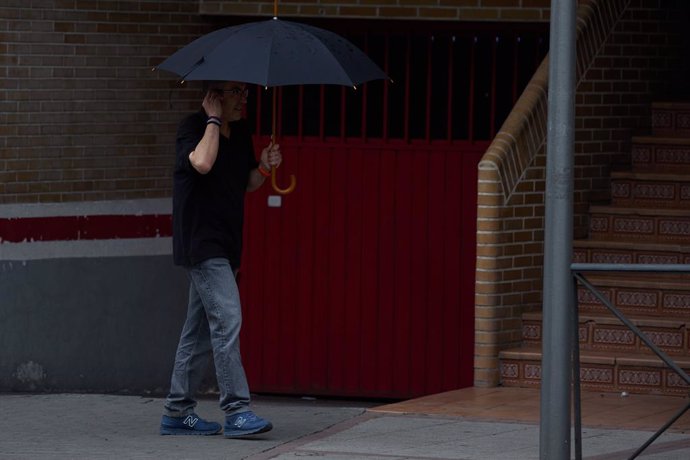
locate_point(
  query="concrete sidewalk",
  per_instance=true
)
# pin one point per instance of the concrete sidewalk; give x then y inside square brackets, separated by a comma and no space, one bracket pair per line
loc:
[75,426]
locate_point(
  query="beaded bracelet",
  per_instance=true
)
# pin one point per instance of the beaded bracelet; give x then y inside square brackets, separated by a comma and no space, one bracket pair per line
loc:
[263,171]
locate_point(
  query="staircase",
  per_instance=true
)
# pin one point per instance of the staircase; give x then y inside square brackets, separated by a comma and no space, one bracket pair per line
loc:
[648,221]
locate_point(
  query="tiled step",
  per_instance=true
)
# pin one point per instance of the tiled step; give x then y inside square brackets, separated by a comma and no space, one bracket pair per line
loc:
[605,332]
[629,252]
[599,371]
[671,119]
[650,190]
[656,154]
[638,295]
[639,224]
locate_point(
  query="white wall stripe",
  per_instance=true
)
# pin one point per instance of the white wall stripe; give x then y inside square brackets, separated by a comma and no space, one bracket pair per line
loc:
[128,247]
[88,208]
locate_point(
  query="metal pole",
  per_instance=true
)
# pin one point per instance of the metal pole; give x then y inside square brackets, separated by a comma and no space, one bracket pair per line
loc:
[554,442]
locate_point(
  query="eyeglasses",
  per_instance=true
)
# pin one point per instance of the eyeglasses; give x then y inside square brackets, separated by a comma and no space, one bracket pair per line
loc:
[234,91]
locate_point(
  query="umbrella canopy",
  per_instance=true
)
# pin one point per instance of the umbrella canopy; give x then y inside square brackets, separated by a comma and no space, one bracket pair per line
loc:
[273,53]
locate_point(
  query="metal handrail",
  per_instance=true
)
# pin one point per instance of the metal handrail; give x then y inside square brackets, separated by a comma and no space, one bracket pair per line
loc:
[577,269]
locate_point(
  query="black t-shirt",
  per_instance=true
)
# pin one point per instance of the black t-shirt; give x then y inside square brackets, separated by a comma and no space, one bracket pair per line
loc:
[208,209]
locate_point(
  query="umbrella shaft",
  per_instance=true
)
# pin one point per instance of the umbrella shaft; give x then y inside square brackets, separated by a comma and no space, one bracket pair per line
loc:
[273,115]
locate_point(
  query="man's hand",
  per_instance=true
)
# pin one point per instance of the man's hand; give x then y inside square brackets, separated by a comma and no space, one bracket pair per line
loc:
[271,156]
[213,104]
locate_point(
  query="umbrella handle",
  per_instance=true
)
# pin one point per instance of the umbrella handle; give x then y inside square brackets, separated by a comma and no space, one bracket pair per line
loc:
[282,191]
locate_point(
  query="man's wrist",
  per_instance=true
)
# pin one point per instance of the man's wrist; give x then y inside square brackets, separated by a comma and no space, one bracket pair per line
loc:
[264,169]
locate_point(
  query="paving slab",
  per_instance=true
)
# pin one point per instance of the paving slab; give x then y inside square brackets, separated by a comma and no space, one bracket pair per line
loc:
[92,426]
[405,437]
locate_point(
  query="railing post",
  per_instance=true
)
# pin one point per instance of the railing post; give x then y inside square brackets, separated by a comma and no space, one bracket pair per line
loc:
[577,393]
[554,442]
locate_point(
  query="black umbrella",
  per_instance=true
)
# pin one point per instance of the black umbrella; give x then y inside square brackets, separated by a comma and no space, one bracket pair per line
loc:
[273,53]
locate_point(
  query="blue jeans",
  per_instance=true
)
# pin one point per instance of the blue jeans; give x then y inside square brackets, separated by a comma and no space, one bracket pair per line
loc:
[214,318]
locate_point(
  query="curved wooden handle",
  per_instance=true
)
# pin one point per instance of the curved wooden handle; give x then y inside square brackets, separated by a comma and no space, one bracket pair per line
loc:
[282,191]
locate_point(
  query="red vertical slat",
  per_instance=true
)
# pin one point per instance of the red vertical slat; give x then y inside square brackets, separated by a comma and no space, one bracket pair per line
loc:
[387,238]
[468,247]
[516,66]
[287,277]
[419,249]
[364,89]
[386,88]
[406,120]
[449,107]
[403,275]
[322,112]
[470,104]
[305,325]
[269,273]
[427,127]
[492,91]
[353,268]
[452,268]
[338,351]
[368,276]
[438,204]
[363,113]
[322,275]
[343,113]
[279,113]
[300,114]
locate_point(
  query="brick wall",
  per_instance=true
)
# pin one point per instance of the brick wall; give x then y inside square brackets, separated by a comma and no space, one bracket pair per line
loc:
[465,10]
[628,54]
[82,117]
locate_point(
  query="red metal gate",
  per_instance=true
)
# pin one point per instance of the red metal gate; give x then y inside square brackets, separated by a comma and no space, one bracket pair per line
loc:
[362,282]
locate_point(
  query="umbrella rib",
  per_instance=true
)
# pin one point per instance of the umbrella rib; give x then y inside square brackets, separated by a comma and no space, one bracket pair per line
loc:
[194,67]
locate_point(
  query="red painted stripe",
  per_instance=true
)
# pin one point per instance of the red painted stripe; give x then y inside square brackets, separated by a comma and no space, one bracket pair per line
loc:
[68,228]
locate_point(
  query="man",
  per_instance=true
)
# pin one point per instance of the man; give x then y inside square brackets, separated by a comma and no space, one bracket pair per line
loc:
[215,166]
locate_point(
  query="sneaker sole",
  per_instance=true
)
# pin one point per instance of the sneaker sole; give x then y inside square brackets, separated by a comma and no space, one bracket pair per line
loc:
[186,432]
[241,434]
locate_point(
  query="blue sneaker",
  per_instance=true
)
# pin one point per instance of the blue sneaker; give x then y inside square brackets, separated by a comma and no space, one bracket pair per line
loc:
[190,424]
[244,424]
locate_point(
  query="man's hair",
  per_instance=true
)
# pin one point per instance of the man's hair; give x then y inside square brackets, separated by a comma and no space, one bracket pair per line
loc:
[208,84]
